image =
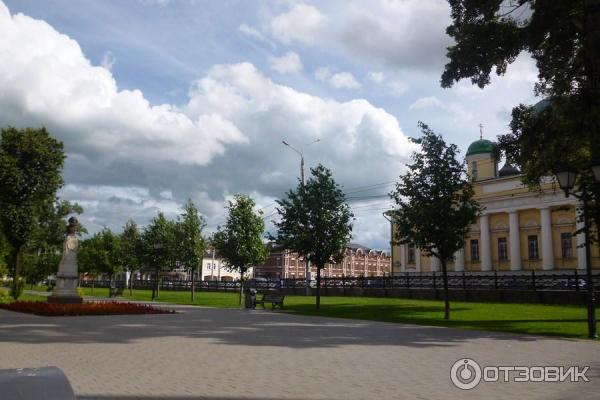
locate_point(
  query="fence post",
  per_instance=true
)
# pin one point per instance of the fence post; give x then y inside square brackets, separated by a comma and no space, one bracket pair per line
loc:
[495,280]
[533,278]
[434,285]
[408,281]
[576,280]
[464,279]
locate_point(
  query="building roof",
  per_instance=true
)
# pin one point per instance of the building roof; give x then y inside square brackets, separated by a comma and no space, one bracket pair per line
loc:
[356,246]
[508,170]
[480,146]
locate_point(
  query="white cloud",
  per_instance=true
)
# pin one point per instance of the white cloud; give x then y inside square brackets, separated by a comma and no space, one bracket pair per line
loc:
[376,77]
[50,82]
[408,34]
[287,64]
[161,3]
[255,34]
[129,158]
[457,112]
[425,103]
[338,80]
[301,23]
[108,60]
[398,87]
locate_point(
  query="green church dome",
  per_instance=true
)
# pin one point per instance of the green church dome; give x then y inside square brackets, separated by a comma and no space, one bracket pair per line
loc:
[481,146]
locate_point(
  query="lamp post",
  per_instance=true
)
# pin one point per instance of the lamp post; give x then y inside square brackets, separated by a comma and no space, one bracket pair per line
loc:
[301,154]
[566,176]
[157,249]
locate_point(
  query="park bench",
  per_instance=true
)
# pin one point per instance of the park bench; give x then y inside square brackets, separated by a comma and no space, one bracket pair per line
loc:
[115,291]
[276,299]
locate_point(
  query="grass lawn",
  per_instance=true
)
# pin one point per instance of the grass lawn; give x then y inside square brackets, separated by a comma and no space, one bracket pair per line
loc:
[24,296]
[207,299]
[557,320]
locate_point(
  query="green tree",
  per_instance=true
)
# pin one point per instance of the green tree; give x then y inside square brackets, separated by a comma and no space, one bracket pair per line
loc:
[316,221]
[101,254]
[42,252]
[562,37]
[30,174]
[239,242]
[190,242]
[131,243]
[159,248]
[435,202]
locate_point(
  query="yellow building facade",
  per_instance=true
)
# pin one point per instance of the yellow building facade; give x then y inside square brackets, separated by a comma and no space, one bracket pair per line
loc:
[518,229]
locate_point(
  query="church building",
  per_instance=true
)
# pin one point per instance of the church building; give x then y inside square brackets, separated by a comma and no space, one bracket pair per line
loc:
[518,229]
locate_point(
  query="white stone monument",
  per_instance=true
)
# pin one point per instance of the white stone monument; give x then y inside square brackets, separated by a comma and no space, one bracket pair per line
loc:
[67,278]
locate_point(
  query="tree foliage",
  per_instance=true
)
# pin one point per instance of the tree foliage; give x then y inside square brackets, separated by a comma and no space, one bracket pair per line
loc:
[562,37]
[101,254]
[316,221]
[30,174]
[190,243]
[159,247]
[435,202]
[239,241]
[131,249]
[42,252]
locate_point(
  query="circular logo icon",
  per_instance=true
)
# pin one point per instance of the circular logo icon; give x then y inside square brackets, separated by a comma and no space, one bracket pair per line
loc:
[465,373]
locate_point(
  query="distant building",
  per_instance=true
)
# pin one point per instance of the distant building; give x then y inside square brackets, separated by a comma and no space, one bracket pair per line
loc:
[518,229]
[213,269]
[358,261]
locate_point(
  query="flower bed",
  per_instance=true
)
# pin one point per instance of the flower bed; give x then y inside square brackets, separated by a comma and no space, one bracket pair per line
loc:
[91,308]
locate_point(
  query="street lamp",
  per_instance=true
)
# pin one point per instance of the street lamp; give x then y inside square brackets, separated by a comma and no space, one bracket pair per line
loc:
[157,249]
[566,176]
[301,154]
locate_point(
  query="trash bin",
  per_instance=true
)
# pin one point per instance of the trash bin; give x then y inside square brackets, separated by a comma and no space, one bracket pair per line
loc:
[48,383]
[250,298]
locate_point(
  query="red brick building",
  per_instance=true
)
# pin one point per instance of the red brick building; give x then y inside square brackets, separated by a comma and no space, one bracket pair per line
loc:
[358,261]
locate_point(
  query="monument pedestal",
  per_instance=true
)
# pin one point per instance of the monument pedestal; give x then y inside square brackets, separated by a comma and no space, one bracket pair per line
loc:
[65,291]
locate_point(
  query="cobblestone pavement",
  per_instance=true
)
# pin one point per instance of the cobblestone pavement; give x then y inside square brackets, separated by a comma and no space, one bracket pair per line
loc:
[204,353]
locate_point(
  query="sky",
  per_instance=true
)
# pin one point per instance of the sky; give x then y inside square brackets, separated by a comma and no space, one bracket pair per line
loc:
[158,101]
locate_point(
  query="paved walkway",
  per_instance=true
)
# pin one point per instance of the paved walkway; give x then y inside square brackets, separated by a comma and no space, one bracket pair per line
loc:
[216,354]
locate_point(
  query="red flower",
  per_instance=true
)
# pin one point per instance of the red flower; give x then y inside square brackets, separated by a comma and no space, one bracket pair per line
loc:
[90,308]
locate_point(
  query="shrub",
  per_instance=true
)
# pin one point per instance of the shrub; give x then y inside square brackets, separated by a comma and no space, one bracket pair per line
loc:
[4,297]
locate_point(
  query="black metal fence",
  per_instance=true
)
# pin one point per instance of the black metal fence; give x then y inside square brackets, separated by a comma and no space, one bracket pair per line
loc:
[573,280]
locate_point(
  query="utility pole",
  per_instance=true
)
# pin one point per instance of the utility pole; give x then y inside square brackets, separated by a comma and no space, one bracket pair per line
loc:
[301,154]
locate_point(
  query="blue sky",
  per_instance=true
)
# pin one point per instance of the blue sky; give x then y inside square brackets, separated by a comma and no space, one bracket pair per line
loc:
[161,100]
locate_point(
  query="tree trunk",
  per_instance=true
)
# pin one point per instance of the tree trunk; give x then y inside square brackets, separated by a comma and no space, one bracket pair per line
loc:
[318,287]
[193,281]
[156,284]
[446,300]
[16,270]
[131,283]
[241,285]
[307,273]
